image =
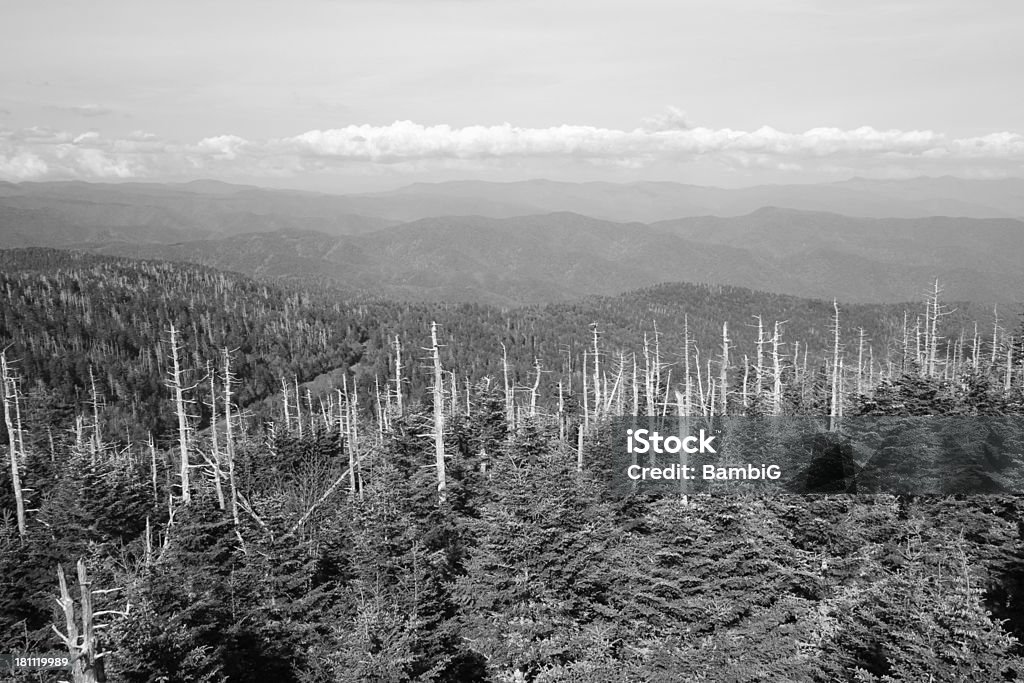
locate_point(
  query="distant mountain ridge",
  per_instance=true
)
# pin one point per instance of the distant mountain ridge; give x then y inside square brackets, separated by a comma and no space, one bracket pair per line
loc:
[63,213]
[60,214]
[656,201]
[564,256]
[392,243]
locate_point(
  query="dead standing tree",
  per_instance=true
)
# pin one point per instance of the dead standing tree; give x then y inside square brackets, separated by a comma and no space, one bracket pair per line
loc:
[833,412]
[438,391]
[177,386]
[83,644]
[229,439]
[9,390]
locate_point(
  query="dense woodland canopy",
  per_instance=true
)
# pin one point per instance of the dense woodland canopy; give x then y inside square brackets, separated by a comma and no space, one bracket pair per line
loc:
[337,496]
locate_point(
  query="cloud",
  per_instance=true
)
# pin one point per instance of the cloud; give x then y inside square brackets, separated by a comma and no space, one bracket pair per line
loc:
[669,138]
[673,119]
[87,110]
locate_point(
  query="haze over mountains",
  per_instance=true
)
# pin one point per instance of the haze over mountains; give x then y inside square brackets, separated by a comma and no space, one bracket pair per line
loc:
[655,201]
[540,241]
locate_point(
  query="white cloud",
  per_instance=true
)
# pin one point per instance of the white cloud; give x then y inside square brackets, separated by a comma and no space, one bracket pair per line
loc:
[87,110]
[673,119]
[669,138]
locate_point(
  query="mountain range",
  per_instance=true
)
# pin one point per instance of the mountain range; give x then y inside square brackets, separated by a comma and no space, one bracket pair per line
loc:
[389,243]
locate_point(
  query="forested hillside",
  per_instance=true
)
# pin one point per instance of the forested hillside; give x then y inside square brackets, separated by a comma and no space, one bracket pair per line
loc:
[257,482]
[565,256]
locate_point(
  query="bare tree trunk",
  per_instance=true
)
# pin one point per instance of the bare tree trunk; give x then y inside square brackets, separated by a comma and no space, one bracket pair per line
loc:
[284,401]
[380,408]
[455,396]
[214,445]
[586,398]
[977,346]
[759,367]
[636,390]
[179,405]
[229,439]
[995,334]
[1008,383]
[648,378]
[683,409]
[509,414]
[776,373]
[438,415]
[179,408]
[860,363]
[561,414]
[597,373]
[746,379]
[83,648]
[353,425]
[657,359]
[535,389]
[906,343]
[834,405]
[152,469]
[97,434]
[933,335]
[579,449]
[723,377]
[916,343]
[688,398]
[700,383]
[10,395]
[398,375]
[298,404]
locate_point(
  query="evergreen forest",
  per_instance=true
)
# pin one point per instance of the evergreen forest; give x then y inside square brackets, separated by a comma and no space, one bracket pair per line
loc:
[211,478]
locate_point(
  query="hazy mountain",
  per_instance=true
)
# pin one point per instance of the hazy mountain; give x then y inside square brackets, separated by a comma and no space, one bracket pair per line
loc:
[564,256]
[64,213]
[653,201]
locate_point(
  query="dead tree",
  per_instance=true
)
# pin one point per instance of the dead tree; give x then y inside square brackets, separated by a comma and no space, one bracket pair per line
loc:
[97,437]
[995,334]
[214,445]
[860,363]
[398,375]
[83,643]
[284,403]
[438,390]
[561,413]
[298,404]
[177,386]
[776,372]
[759,367]
[597,372]
[229,439]
[10,395]
[746,380]
[932,328]
[152,469]
[535,389]
[579,449]
[509,405]
[723,375]
[648,378]
[1008,382]
[586,405]
[834,404]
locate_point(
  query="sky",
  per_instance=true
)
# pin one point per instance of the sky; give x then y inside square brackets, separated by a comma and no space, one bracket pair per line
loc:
[362,95]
